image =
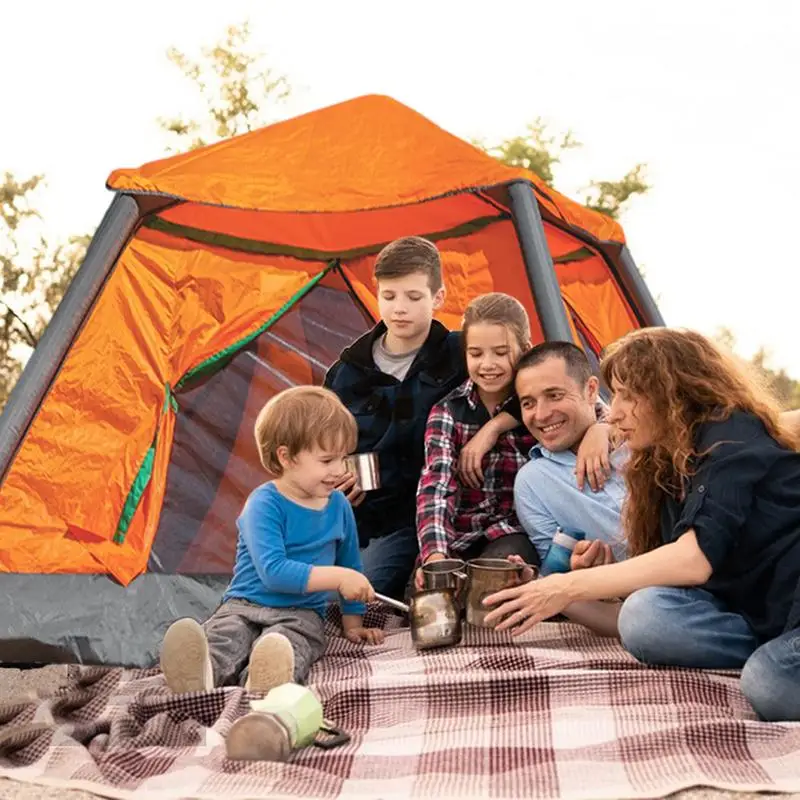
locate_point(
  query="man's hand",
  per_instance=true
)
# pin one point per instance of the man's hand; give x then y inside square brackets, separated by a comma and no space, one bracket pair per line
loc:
[591,554]
[368,635]
[419,579]
[355,586]
[593,461]
[469,460]
[352,491]
[528,572]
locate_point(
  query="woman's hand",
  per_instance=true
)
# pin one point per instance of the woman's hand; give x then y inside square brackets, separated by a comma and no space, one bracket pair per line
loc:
[592,456]
[520,608]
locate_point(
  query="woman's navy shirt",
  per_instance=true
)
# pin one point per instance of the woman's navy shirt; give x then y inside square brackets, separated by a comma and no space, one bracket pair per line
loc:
[743,502]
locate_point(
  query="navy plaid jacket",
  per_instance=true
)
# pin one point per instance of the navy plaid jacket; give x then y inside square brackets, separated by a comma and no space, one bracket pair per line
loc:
[391,417]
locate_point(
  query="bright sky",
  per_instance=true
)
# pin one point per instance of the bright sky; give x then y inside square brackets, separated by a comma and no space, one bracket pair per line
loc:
[707,93]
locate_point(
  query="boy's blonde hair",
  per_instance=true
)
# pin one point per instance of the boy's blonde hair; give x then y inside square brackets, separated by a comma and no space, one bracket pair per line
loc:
[409,255]
[300,418]
[497,308]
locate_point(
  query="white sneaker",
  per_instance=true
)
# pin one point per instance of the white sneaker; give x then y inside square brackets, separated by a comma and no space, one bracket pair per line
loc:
[271,663]
[184,658]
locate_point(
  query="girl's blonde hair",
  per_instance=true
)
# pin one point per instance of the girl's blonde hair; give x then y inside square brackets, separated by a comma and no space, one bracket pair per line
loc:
[300,418]
[687,381]
[497,308]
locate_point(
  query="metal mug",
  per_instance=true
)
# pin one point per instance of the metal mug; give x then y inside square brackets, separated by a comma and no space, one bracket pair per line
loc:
[449,573]
[434,617]
[366,468]
[487,576]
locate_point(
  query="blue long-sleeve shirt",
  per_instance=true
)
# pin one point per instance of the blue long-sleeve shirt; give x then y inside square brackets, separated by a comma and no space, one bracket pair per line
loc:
[279,543]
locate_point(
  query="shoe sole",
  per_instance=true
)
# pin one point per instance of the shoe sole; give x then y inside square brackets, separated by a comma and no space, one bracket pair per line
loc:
[271,663]
[184,656]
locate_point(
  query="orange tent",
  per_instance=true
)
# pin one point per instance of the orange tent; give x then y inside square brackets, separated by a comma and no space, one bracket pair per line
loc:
[217,278]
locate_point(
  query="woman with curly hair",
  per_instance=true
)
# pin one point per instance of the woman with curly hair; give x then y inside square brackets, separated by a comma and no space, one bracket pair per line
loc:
[712,520]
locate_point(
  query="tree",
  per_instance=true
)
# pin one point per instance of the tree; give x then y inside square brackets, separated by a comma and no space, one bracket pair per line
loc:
[238,89]
[33,276]
[784,388]
[236,85]
[538,151]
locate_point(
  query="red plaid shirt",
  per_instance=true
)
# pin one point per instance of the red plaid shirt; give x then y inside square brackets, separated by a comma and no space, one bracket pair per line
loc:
[452,516]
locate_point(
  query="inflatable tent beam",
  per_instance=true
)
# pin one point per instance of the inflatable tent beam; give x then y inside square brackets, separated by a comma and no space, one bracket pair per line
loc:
[538,263]
[107,244]
[637,290]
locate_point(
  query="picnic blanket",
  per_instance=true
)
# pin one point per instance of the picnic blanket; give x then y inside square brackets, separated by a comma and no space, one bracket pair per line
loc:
[556,713]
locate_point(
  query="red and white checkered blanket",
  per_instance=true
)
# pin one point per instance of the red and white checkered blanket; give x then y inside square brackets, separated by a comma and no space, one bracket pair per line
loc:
[559,713]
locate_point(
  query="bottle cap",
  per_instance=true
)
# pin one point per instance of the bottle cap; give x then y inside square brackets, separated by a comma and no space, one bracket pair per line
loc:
[564,540]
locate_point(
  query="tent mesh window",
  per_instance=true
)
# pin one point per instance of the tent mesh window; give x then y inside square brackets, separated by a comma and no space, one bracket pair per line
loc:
[214,463]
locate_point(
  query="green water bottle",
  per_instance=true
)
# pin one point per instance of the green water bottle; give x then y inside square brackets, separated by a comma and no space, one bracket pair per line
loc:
[288,718]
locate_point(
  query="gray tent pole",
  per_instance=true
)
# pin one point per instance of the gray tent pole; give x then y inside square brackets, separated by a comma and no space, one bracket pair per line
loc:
[110,238]
[637,289]
[539,263]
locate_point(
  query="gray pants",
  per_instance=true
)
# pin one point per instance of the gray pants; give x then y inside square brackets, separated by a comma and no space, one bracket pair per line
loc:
[236,625]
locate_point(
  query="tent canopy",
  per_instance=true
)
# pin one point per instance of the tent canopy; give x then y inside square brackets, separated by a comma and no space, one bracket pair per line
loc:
[245,267]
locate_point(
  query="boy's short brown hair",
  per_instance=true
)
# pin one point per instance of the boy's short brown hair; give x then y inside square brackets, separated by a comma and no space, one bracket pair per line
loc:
[409,255]
[300,418]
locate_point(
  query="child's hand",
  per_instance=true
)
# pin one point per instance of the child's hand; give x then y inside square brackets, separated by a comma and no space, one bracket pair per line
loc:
[528,573]
[368,635]
[469,461]
[352,491]
[354,586]
[590,553]
[593,462]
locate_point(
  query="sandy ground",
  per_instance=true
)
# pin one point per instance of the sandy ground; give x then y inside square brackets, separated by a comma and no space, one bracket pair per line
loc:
[15,682]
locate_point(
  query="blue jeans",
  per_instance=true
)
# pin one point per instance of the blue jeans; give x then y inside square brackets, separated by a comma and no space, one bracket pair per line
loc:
[389,561]
[693,628]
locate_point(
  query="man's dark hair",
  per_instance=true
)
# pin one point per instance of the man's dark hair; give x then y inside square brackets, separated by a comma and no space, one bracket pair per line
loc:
[578,367]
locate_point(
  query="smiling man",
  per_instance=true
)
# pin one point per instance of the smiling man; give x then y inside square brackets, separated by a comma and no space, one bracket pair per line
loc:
[559,397]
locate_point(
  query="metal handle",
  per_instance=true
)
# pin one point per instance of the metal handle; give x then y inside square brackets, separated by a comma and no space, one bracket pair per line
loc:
[393,603]
[332,736]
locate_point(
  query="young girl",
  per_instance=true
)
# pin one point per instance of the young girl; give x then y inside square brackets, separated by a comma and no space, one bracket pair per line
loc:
[455,518]
[712,519]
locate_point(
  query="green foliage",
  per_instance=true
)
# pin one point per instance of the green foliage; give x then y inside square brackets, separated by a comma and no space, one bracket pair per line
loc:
[539,151]
[535,151]
[610,197]
[236,85]
[33,276]
[785,389]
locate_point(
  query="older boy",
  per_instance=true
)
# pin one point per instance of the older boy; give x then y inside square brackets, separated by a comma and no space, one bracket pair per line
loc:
[390,379]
